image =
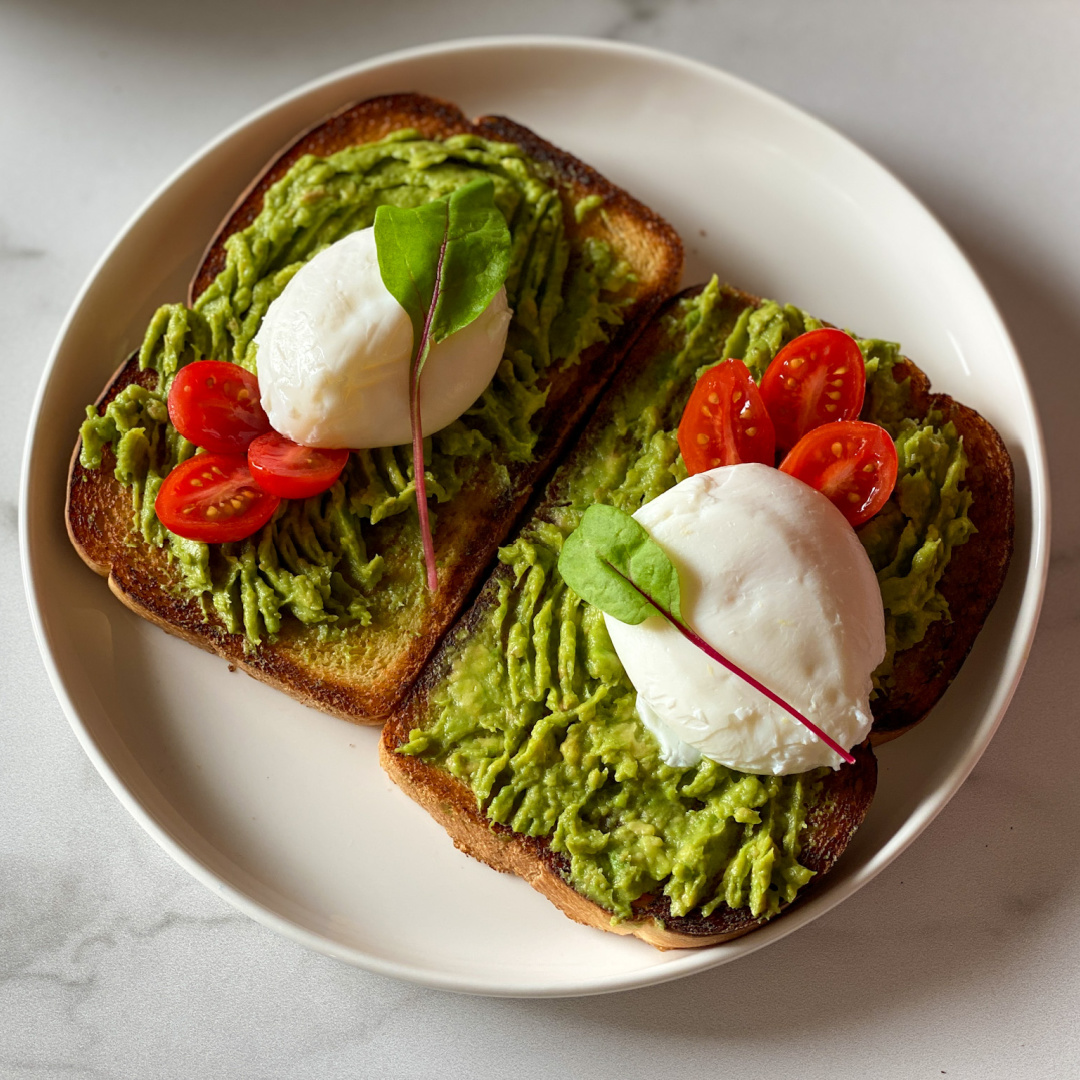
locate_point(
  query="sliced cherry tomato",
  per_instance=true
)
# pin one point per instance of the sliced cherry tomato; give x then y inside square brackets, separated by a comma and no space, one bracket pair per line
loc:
[290,470]
[725,421]
[213,498]
[216,406]
[851,462]
[815,379]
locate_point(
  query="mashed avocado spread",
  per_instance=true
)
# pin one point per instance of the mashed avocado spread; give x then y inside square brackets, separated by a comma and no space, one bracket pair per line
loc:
[326,560]
[536,714]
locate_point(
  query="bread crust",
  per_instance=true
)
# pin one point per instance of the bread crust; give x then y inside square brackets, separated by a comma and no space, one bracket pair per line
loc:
[974,576]
[830,826]
[469,528]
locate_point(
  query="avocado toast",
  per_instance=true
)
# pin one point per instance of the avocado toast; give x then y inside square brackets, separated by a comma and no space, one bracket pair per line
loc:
[327,603]
[522,739]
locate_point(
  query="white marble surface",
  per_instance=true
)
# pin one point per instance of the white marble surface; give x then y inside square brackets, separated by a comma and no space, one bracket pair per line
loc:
[961,959]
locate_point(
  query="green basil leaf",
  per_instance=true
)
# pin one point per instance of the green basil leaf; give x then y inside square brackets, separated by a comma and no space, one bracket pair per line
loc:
[611,562]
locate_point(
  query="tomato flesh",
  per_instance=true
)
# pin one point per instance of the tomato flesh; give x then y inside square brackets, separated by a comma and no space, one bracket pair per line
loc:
[216,406]
[818,378]
[725,421]
[213,498]
[850,462]
[290,470]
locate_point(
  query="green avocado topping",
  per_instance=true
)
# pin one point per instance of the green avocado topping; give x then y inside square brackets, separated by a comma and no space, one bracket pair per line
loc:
[347,557]
[537,716]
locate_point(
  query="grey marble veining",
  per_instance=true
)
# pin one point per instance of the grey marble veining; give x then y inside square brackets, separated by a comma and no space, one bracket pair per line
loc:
[962,959]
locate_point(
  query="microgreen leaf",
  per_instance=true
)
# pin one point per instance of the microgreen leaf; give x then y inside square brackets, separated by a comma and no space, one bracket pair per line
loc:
[443,261]
[611,562]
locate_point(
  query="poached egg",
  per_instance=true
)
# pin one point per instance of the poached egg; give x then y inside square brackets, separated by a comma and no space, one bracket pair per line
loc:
[775,579]
[335,350]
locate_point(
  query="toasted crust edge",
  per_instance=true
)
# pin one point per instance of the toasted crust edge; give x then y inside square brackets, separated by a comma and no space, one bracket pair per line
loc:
[975,574]
[845,801]
[374,118]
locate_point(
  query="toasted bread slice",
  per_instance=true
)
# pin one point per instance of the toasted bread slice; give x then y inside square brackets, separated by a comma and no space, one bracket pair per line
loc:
[363,673]
[921,675]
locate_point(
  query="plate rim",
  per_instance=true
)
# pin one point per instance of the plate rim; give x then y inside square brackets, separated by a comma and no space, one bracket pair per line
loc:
[687,962]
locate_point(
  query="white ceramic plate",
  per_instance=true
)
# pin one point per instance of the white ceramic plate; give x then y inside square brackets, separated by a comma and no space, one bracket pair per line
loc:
[284,811]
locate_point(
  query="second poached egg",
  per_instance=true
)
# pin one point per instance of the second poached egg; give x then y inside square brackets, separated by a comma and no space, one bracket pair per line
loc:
[775,579]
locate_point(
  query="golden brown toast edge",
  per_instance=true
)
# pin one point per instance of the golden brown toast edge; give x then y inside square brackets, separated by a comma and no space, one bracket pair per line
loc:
[469,530]
[830,826]
[849,790]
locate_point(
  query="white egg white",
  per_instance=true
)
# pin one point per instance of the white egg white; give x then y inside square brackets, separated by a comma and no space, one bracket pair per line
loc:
[334,351]
[775,579]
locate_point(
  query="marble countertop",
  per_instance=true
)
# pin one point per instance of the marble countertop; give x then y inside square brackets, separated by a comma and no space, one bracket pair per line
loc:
[962,959]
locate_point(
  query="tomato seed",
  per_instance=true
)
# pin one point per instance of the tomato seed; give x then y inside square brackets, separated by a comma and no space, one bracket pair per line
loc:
[714,399]
[705,411]
[830,408]
[797,362]
[833,395]
[840,371]
[751,431]
[211,511]
[837,449]
[852,497]
[702,438]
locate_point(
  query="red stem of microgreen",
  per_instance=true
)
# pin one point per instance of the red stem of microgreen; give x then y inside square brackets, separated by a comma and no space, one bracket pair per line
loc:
[418,433]
[734,668]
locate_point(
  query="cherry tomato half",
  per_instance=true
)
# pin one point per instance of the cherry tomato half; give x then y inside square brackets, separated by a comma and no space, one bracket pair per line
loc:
[213,498]
[290,470]
[851,462]
[725,421]
[216,406]
[815,379]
